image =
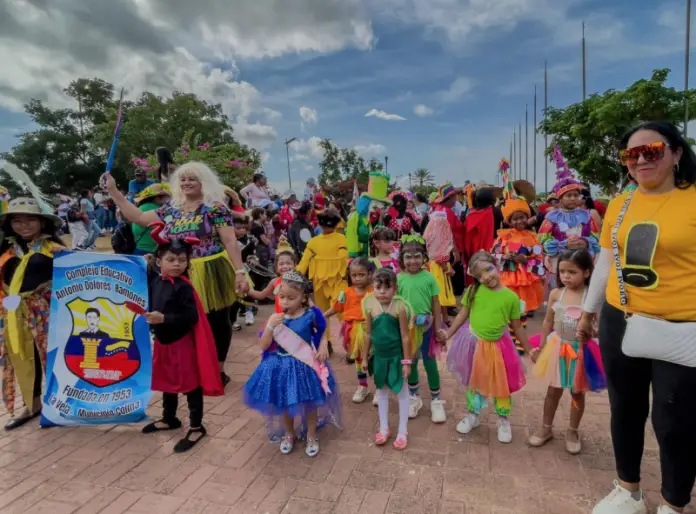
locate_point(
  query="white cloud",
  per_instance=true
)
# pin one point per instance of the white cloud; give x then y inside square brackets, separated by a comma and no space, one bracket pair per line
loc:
[422,110]
[255,135]
[164,46]
[461,87]
[383,115]
[370,150]
[311,146]
[271,115]
[299,157]
[309,115]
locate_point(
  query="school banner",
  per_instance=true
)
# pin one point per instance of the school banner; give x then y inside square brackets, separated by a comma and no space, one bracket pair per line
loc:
[99,360]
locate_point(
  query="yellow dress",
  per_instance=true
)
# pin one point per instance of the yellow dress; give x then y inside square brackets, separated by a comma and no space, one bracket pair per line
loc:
[325,262]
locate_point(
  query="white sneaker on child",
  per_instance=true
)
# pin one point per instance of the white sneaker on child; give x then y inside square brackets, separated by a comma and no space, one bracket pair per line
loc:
[249,318]
[360,394]
[437,411]
[468,423]
[504,431]
[414,406]
[375,402]
[620,501]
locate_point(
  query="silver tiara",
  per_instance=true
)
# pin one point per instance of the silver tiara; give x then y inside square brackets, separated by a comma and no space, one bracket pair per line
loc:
[294,277]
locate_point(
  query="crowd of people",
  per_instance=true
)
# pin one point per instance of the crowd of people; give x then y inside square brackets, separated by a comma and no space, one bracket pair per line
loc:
[612,281]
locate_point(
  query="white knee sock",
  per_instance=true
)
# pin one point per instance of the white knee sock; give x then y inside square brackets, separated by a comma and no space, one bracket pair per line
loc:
[403,409]
[383,408]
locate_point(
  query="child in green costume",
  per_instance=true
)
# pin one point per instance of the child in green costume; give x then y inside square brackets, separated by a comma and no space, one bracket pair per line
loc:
[387,320]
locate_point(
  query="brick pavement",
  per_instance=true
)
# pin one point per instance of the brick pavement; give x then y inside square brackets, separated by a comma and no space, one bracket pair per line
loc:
[116,469]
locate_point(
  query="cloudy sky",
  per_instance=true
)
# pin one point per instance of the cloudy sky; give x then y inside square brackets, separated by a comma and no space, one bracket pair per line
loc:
[430,83]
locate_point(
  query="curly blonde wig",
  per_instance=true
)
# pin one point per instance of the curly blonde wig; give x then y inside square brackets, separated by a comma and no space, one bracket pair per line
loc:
[211,186]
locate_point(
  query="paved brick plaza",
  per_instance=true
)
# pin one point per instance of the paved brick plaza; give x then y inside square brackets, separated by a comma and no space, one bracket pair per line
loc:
[116,469]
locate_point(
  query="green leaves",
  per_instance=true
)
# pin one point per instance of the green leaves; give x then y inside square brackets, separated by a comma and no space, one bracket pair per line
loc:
[68,150]
[589,132]
[341,164]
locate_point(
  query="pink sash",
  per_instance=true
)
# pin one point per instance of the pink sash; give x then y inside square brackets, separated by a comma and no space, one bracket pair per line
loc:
[304,352]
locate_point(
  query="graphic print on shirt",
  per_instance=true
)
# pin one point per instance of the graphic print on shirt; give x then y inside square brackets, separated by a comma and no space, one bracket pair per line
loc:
[639,253]
[101,349]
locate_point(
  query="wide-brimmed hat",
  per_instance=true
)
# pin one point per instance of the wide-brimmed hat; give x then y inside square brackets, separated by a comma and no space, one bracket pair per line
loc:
[153,191]
[444,193]
[30,207]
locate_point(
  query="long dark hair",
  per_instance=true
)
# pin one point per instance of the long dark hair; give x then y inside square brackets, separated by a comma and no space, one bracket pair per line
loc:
[164,157]
[484,198]
[685,172]
[581,258]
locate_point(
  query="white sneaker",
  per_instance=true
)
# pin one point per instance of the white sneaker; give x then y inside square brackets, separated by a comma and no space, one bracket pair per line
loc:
[414,406]
[468,423]
[374,399]
[360,394]
[437,411]
[664,509]
[620,501]
[249,318]
[504,431]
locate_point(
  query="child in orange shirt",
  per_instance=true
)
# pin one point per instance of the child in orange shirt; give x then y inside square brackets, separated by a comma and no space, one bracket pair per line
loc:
[349,303]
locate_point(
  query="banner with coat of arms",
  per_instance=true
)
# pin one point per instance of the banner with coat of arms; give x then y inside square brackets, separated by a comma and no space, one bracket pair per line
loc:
[99,359]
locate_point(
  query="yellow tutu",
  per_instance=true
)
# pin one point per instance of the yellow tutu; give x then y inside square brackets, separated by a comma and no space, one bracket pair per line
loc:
[446,296]
[214,280]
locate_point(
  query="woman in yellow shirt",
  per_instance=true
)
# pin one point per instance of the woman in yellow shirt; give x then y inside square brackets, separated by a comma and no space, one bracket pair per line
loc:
[652,230]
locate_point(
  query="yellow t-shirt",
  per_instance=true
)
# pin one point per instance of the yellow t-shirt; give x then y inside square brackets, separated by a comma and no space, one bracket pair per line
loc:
[657,244]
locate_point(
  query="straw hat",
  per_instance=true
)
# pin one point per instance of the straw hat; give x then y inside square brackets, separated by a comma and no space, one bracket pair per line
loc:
[29,206]
[153,191]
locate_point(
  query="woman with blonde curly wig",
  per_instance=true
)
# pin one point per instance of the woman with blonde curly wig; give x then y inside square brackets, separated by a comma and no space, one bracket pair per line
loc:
[199,209]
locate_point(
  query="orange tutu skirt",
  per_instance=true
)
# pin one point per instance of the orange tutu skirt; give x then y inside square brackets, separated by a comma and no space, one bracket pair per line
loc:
[527,286]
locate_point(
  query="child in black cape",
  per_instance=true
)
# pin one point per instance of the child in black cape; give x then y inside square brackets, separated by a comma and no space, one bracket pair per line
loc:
[184,359]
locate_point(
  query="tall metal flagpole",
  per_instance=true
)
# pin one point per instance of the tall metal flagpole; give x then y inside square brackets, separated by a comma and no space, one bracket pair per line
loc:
[535,133]
[526,141]
[584,64]
[686,66]
[519,151]
[546,136]
[514,151]
[510,155]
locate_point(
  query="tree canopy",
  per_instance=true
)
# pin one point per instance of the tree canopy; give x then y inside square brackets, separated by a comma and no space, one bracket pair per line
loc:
[68,149]
[341,164]
[588,132]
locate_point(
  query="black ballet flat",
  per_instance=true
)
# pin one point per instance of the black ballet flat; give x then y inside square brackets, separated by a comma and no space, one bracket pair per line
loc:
[330,347]
[18,422]
[225,378]
[186,443]
[171,425]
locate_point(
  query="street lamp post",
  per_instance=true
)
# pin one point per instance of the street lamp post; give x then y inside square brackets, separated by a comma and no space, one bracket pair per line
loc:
[287,154]
[686,66]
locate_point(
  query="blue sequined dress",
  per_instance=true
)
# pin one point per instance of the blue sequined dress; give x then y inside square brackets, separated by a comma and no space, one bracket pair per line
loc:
[282,384]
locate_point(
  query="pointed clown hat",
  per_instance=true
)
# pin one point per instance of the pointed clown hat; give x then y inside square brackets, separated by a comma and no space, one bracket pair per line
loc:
[565,178]
[444,192]
[377,187]
[512,203]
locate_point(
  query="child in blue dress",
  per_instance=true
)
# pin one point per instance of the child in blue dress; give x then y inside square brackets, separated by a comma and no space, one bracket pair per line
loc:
[293,378]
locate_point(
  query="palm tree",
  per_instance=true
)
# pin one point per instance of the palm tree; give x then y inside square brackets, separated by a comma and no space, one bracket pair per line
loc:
[423,177]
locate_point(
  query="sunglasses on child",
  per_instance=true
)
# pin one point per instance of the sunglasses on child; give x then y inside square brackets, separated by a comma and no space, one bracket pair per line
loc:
[651,152]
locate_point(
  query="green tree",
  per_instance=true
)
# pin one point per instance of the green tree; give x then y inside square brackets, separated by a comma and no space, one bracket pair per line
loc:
[341,164]
[235,163]
[589,132]
[68,150]
[61,153]
[423,177]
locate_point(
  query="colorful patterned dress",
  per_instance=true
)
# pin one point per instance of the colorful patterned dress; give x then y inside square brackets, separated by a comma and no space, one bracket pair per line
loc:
[558,226]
